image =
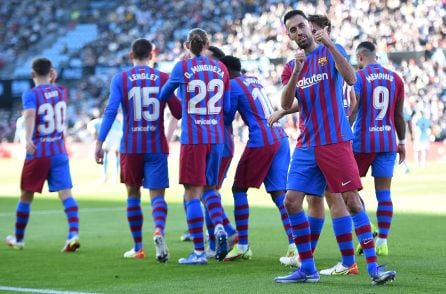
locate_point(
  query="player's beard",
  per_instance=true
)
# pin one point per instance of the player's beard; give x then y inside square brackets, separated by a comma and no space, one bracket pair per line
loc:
[303,43]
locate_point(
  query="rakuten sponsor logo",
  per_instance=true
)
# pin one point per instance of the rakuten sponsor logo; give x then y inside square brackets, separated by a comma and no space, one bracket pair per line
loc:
[314,79]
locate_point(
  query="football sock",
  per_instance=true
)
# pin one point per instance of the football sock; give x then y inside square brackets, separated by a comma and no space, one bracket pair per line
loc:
[364,233]
[384,212]
[210,227]
[316,225]
[194,216]
[284,216]
[159,213]
[71,211]
[241,215]
[22,216]
[302,239]
[213,205]
[135,219]
[342,228]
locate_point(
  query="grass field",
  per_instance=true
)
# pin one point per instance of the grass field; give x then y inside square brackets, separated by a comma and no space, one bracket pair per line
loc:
[417,244]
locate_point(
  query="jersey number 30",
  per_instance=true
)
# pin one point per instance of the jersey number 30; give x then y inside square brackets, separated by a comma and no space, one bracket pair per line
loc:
[53,117]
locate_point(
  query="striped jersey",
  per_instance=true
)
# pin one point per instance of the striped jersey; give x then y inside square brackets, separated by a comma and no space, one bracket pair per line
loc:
[50,104]
[137,91]
[378,90]
[203,87]
[248,97]
[319,92]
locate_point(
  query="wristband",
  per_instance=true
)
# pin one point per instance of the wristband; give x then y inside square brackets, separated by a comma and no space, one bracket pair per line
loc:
[402,142]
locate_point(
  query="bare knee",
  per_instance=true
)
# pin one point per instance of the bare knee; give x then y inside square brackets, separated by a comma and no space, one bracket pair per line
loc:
[352,201]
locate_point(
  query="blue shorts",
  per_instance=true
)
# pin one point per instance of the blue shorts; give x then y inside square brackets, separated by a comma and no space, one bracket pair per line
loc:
[276,178]
[382,163]
[54,169]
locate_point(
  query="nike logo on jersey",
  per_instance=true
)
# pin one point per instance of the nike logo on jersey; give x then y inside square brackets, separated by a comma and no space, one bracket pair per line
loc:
[345,183]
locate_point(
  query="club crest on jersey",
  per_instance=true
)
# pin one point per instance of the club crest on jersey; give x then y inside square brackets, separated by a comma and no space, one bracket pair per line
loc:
[322,61]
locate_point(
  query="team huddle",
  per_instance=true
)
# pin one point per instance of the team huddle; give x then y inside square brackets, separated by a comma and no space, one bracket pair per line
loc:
[205,90]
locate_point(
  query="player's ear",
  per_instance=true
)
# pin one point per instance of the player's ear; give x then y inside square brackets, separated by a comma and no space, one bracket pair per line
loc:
[33,75]
[186,45]
[131,56]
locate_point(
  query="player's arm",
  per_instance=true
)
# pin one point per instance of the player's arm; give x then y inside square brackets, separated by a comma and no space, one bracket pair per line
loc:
[233,96]
[289,89]
[173,82]
[354,109]
[109,116]
[342,65]
[279,114]
[400,124]
[352,97]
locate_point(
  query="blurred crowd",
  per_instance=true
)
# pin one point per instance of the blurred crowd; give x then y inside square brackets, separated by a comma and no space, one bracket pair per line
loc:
[251,30]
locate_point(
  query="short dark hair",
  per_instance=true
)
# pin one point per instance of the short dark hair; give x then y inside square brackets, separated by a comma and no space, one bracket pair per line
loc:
[367,45]
[292,13]
[320,20]
[141,48]
[42,66]
[216,52]
[232,63]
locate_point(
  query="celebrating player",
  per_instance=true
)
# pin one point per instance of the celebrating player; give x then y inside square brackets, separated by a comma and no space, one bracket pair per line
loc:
[44,114]
[323,154]
[144,147]
[378,119]
[204,91]
[266,156]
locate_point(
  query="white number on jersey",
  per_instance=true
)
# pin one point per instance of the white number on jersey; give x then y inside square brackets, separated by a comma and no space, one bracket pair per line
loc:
[143,98]
[260,94]
[381,101]
[53,117]
[211,107]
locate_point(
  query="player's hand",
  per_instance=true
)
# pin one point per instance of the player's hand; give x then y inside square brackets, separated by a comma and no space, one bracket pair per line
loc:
[30,147]
[275,117]
[299,58]
[401,152]
[99,153]
[322,36]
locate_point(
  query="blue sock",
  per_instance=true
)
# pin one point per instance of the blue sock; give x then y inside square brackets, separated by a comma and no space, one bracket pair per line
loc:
[384,212]
[302,239]
[212,202]
[22,216]
[316,225]
[342,228]
[135,218]
[210,227]
[159,213]
[241,215]
[71,211]
[364,233]
[284,216]
[194,216]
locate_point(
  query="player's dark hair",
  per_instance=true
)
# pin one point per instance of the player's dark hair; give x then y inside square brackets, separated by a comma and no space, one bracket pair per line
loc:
[141,49]
[216,52]
[197,39]
[232,63]
[369,46]
[41,66]
[320,20]
[293,13]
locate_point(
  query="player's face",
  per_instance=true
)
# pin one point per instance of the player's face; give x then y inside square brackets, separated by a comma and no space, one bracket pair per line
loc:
[314,28]
[359,60]
[299,31]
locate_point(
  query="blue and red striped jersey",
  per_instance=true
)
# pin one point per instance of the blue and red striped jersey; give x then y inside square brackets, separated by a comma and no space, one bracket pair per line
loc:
[50,104]
[203,87]
[378,90]
[320,96]
[137,91]
[248,97]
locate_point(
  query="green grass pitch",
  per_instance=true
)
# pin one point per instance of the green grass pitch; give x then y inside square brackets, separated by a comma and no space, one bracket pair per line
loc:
[417,244]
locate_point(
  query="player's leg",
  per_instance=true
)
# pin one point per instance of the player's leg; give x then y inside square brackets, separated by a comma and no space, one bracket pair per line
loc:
[342,228]
[132,175]
[316,218]
[193,177]
[382,171]
[156,179]
[33,176]
[304,177]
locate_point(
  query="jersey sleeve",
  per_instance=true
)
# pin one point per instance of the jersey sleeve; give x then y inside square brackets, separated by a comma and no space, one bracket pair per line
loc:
[175,79]
[173,102]
[29,100]
[112,107]
[227,92]
[286,73]
[358,84]
[342,50]
[229,116]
